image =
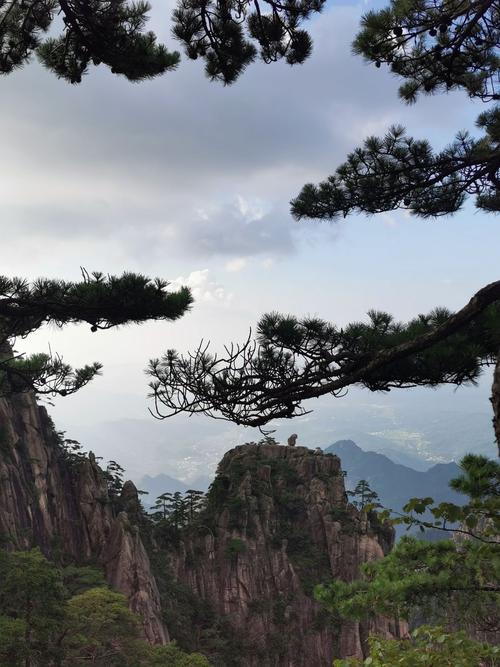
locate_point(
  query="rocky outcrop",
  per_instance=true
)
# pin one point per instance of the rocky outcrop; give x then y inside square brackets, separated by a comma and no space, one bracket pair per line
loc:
[240,577]
[278,522]
[60,503]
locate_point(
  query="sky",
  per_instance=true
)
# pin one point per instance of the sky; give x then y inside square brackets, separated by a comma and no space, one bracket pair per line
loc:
[189,180]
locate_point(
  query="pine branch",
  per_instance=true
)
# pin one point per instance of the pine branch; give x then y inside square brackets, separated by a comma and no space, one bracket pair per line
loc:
[401,172]
[292,361]
[101,301]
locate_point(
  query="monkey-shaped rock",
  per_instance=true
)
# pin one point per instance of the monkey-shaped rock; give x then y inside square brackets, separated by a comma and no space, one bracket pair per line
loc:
[292,439]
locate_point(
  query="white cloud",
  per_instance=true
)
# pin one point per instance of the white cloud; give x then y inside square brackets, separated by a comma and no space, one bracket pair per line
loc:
[236,264]
[251,210]
[204,287]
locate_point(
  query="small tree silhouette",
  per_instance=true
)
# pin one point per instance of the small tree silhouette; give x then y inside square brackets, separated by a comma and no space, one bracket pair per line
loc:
[363,495]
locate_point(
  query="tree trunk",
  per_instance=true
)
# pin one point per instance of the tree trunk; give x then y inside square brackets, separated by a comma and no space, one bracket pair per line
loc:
[495,401]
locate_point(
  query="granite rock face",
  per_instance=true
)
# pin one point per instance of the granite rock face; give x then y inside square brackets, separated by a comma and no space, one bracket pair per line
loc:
[47,502]
[277,523]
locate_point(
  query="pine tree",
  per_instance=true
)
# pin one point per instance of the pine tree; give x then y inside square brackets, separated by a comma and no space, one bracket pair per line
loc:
[427,647]
[162,507]
[194,502]
[453,581]
[68,616]
[363,495]
[179,512]
[223,33]
[293,360]
[112,33]
[94,32]
[114,479]
[101,301]
[32,599]
[434,47]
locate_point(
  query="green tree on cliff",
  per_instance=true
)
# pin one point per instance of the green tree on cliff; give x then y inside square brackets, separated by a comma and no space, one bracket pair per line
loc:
[114,479]
[101,630]
[434,47]
[66,617]
[101,301]
[195,501]
[362,495]
[162,507]
[452,581]
[32,598]
[427,647]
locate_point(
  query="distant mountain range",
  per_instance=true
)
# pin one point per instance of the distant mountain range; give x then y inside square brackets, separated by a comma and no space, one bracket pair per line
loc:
[395,483]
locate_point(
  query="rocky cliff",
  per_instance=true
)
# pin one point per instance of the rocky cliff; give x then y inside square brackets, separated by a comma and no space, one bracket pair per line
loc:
[237,581]
[277,522]
[61,504]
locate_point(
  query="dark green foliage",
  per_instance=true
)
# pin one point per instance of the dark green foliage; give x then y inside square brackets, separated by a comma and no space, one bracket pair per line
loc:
[179,515]
[433,46]
[31,593]
[65,617]
[443,580]
[77,580]
[296,359]
[5,445]
[94,32]
[340,514]
[290,506]
[309,560]
[322,620]
[259,606]
[398,171]
[70,451]
[195,501]
[238,514]
[279,609]
[348,523]
[171,656]
[478,518]
[192,620]
[454,581]
[112,33]
[220,32]
[101,301]
[174,512]
[235,547]
[363,495]
[480,478]
[13,651]
[427,647]
[162,507]
[114,480]
[282,470]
